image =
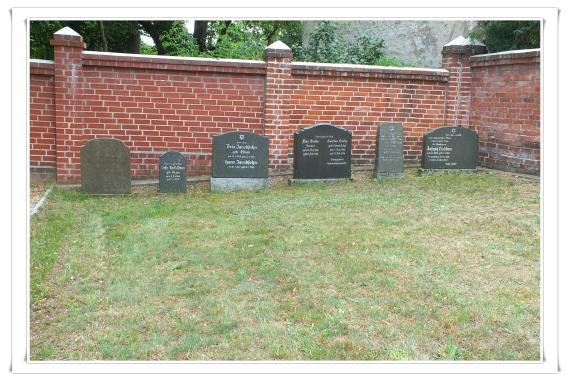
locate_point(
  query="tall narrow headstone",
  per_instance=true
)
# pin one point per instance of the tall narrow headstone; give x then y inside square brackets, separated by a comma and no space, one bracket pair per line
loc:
[240,161]
[105,167]
[172,173]
[322,152]
[389,151]
[450,148]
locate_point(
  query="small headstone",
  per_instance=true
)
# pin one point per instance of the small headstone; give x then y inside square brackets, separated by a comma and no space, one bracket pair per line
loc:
[240,161]
[172,173]
[322,151]
[105,167]
[450,148]
[389,151]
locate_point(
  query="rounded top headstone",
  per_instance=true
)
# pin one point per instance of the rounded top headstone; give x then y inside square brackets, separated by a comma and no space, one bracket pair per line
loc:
[321,126]
[322,151]
[105,167]
[172,172]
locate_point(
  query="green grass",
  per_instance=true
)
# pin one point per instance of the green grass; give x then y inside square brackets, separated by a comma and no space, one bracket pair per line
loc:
[418,268]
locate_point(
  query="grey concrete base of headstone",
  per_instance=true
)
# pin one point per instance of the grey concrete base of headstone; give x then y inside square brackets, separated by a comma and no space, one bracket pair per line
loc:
[222,184]
[317,181]
[387,176]
[435,172]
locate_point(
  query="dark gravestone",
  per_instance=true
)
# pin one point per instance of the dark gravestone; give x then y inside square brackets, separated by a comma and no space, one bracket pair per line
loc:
[450,148]
[105,167]
[322,151]
[239,161]
[389,151]
[172,173]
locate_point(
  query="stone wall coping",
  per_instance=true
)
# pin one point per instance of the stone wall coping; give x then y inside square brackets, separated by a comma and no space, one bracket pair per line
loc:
[38,61]
[509,57]
[168,59]
[91,58]
[314,68]
[41,67]
[525,52]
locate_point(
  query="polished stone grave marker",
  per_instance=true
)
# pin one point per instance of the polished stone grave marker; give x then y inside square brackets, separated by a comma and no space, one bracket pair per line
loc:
[240,161]
[105,167]
[389,161]
[322,152]
[172,173]
[450,148]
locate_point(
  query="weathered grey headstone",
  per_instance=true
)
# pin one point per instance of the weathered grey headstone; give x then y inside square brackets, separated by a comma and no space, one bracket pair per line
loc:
[322,151]
[389,161]
[450,148]
[240,161]
[172,173]
[105,167]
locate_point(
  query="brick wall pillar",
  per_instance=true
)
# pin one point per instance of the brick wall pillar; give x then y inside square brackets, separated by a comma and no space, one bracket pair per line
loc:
[68,47]
[277,107]
[455,58]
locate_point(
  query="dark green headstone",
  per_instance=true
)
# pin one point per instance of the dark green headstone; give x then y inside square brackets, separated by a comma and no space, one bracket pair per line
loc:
[240,155]
[389,151]
[172,173]
[450,148]
[105,167]
[322,151]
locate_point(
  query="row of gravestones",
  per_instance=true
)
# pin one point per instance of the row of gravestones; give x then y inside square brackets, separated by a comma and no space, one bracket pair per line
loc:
[240,159]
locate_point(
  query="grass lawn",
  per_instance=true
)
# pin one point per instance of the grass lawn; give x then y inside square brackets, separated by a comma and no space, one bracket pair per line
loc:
[418,268]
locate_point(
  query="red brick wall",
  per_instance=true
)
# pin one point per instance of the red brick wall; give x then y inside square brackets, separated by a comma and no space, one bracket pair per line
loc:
[42,118]
[455,59]
[505,110]
[157,104]
[360,98]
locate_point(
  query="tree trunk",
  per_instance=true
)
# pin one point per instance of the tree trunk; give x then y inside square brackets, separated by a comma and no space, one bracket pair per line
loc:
[154,33]
[201,34]
[135,43]
[271,35]
[103,36]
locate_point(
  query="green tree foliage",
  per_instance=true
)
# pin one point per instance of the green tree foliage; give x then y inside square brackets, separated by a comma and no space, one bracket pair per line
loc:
[508,35]
[215,38]
[176,41]
[324,45]
[245,39]
[148,49]
[289,32]
[40,34]
[241,39]
[114,36]
[156,30]
[235,40]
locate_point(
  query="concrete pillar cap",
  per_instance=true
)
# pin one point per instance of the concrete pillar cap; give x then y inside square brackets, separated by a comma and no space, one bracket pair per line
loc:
[67,31]
[462,41]
[278,49]
[278,45]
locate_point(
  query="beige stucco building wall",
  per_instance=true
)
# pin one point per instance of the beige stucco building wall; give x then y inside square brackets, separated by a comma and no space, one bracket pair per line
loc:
[415,42]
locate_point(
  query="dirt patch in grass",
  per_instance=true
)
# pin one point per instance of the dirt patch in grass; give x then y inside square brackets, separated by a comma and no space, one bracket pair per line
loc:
[418,268]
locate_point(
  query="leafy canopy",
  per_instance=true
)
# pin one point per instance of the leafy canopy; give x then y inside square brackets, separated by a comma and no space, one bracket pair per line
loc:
[241,39]
[324,45]
[508,35]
